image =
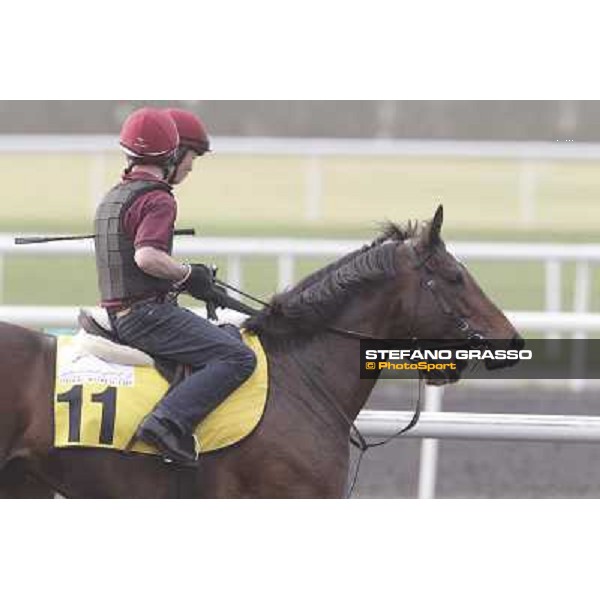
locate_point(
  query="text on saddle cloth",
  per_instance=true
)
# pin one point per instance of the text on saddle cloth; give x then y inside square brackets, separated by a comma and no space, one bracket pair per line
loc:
[98,404]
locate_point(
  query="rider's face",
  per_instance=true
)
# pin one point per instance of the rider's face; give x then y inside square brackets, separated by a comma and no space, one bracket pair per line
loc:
[185,166]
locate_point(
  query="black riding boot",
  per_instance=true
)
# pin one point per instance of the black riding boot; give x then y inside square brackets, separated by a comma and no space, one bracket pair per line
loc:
[169,440]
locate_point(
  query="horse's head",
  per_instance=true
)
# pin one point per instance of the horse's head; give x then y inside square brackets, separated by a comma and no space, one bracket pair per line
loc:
[440,300]
[404,285]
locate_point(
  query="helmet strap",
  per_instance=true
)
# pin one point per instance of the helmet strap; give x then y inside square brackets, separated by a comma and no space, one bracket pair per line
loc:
[130,164]
[170,168]
[177,159]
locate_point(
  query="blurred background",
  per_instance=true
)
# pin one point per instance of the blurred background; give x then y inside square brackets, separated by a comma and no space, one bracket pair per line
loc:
[519,181]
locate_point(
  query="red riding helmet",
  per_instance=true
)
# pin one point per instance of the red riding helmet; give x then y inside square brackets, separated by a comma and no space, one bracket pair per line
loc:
[149,134]
[192,132]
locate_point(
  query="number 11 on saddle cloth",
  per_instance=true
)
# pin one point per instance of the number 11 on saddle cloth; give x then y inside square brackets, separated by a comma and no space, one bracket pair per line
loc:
[98,404]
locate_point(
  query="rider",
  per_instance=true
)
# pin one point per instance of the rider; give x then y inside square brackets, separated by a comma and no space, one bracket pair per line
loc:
[137,276]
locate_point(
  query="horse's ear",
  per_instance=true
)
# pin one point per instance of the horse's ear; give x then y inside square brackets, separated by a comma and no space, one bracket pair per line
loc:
[436,226]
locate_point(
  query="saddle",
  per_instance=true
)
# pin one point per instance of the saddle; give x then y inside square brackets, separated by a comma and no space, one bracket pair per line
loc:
[95,322]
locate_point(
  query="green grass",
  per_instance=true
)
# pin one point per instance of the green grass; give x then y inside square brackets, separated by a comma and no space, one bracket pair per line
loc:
[265,197]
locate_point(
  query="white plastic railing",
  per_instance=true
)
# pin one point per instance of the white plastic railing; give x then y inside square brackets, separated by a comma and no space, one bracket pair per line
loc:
[286,251]
[66,316]
[94,144]
[474,426]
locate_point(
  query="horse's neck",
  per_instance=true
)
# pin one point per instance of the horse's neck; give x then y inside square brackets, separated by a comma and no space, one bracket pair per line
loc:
[327,371]
[326,368]
[333,365]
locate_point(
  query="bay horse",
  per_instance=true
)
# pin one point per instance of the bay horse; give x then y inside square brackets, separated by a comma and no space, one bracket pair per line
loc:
[404,285]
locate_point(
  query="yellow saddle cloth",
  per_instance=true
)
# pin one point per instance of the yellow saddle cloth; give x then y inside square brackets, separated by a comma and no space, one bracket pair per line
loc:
[100,405]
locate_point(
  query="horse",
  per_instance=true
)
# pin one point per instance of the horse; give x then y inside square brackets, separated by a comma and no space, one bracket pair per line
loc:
[403,285]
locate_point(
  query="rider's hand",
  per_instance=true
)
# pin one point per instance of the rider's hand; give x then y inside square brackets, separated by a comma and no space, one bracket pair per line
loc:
[200,281]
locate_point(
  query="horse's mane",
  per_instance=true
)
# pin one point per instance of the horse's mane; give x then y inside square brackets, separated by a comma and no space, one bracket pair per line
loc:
[316,299]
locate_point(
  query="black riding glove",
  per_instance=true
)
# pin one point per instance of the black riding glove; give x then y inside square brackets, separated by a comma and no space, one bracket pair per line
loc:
[200,281]
[201,285]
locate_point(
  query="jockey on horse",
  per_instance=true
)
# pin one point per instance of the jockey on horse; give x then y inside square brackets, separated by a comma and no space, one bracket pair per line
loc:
[139,280]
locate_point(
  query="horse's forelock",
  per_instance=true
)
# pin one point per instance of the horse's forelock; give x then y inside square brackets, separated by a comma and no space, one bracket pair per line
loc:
[396,232]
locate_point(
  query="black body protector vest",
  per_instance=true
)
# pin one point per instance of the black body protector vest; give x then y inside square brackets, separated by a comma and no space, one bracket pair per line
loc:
[119,277]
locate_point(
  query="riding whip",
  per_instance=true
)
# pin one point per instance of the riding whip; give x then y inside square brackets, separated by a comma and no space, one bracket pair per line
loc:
[62,238]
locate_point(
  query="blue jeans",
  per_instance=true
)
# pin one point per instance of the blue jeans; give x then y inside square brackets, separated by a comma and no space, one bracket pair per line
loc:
[220,361]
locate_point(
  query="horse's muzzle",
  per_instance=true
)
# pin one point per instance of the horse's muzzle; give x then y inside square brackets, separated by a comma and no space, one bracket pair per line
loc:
[447,376]
[516,343]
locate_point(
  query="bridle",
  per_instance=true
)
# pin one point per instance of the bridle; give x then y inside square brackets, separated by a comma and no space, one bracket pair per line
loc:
[420,264]
[471,335]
